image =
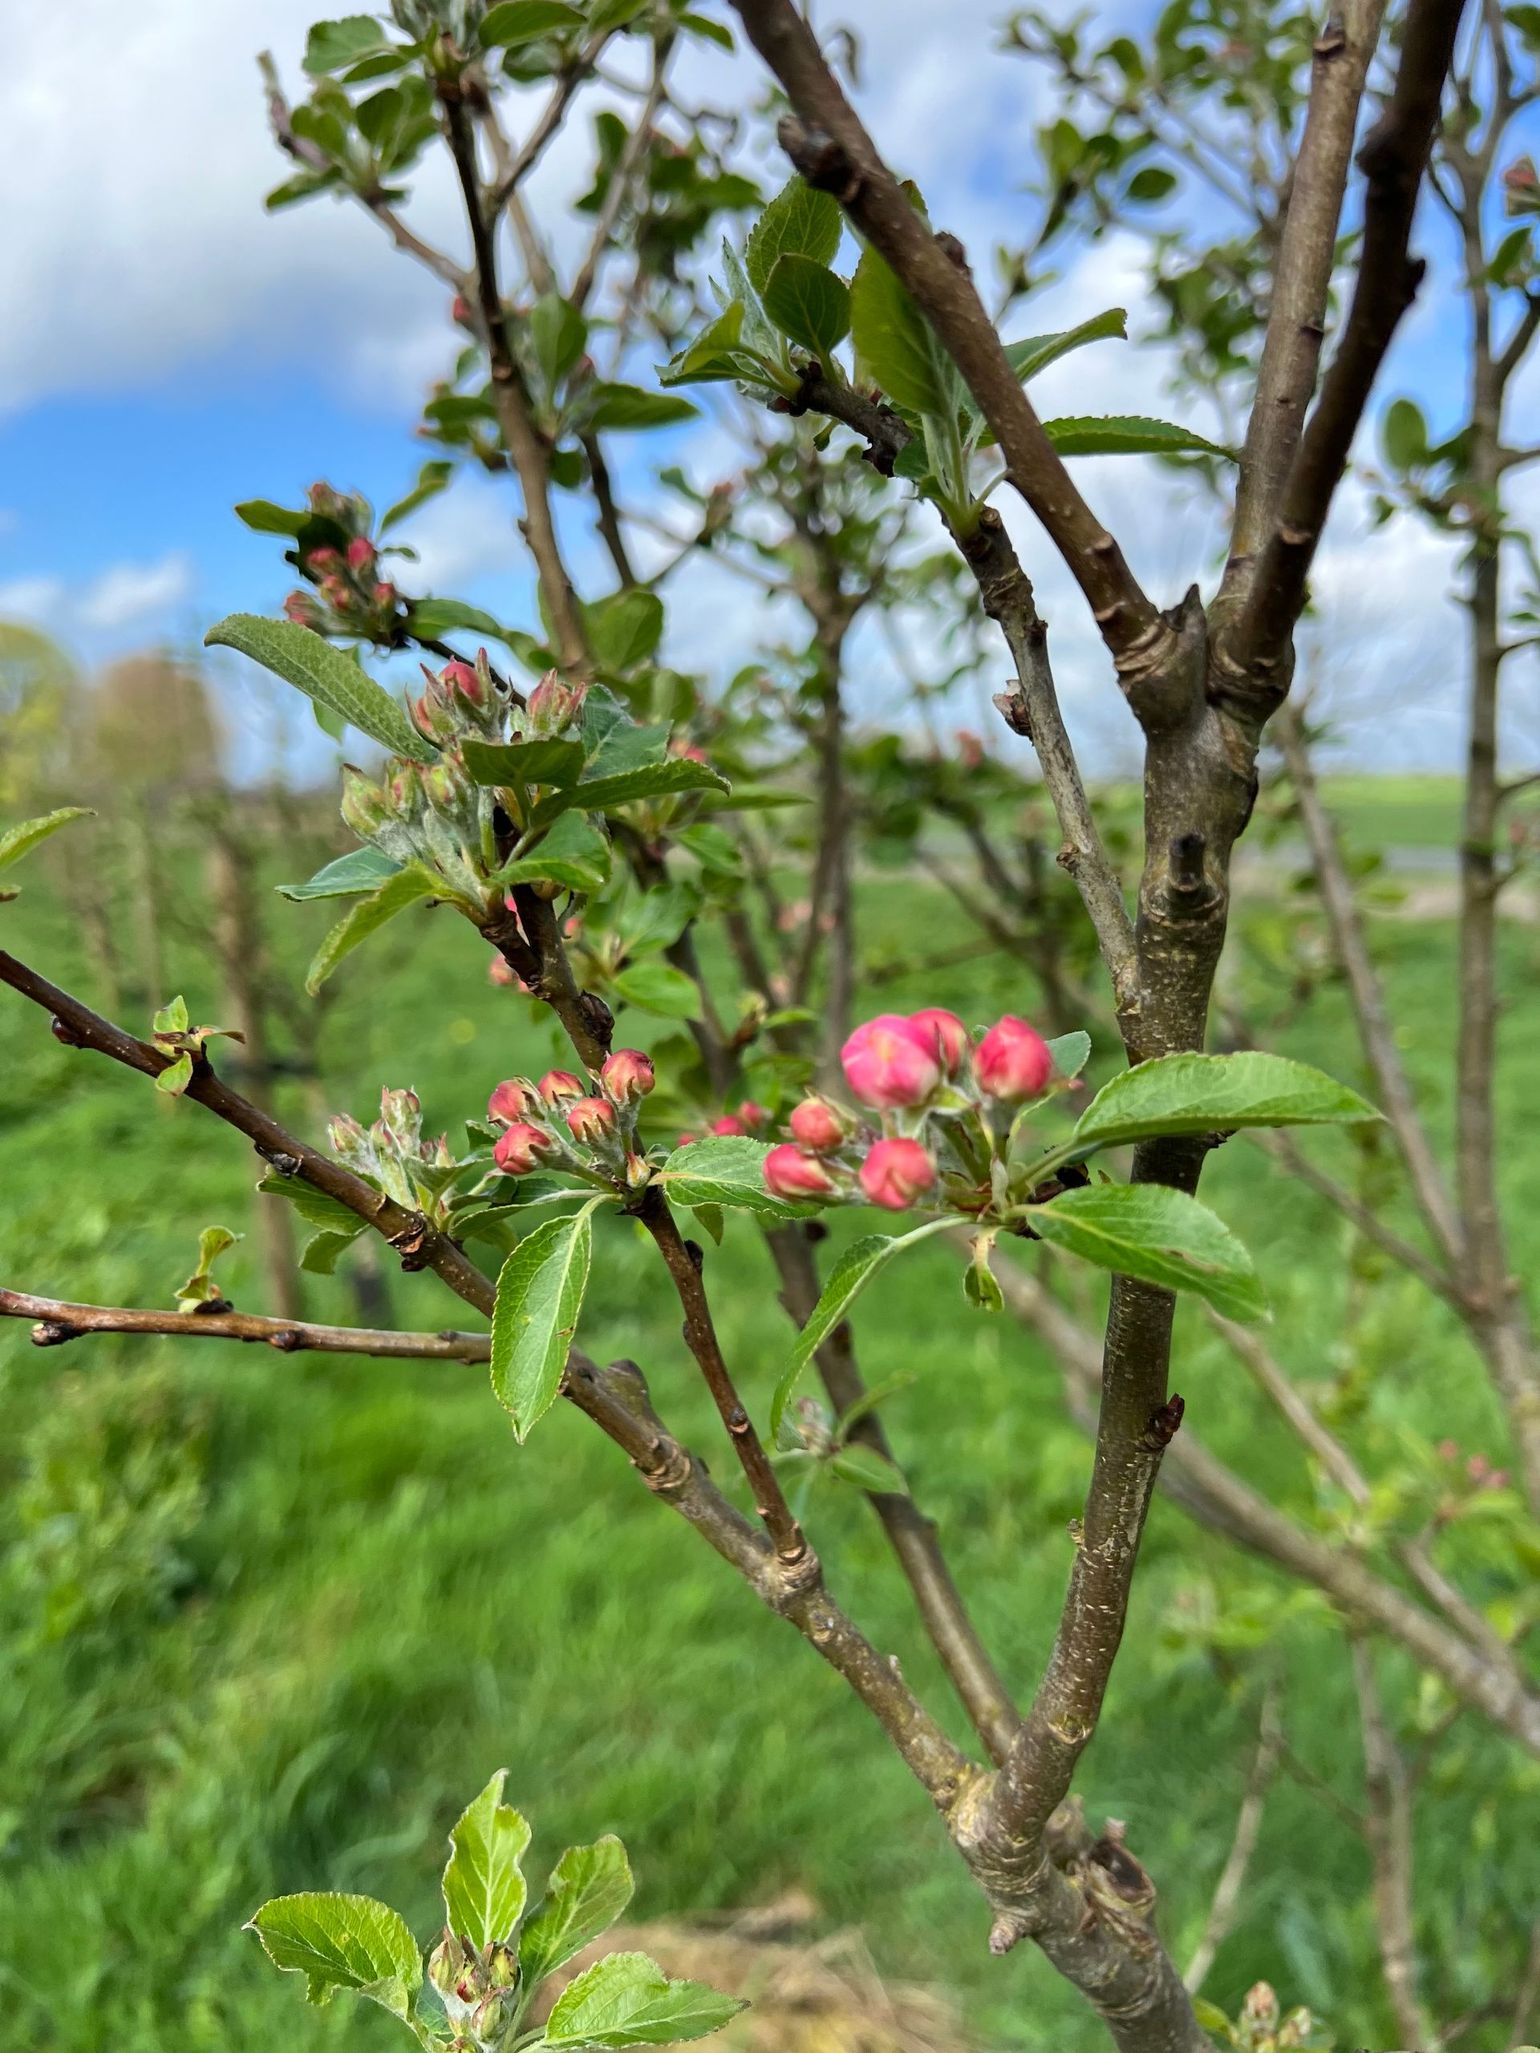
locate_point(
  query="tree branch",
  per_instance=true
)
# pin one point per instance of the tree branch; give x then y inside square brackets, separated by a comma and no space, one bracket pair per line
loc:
[829,145]
[59,1320]
[1388,1830]
[1248,1828]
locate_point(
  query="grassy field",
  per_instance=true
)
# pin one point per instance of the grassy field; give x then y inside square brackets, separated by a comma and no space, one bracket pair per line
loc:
[268,1622]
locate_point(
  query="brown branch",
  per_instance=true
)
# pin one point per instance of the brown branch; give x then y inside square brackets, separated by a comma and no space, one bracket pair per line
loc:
[1248,1828]
[1388,1830]
[1393,160]
[513,172]
[618,190]
[829,145]
[60,1320]
[1301,280]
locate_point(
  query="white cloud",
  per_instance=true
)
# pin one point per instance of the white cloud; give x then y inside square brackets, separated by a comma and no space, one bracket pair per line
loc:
[129,591]
[31,598]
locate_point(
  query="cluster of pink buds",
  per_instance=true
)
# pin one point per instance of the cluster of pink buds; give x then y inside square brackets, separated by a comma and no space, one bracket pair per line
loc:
[393,1155]
[562,1123]
[460,699]
[552,708]
[1478,1471]
[351,597]
[946,1109]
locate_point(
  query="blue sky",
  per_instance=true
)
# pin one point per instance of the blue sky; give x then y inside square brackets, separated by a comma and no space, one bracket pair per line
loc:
[183,350]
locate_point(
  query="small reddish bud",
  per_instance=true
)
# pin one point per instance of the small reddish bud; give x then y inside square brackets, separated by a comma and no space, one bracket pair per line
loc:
[817,1125]
[590,1119]
[1497,1479]
[510,1101]
[686,1140]
[752,1116]
[1013,1061]
[946,1034]
[360,553]
[727,1126]
[461,677]
[1448,1450]
[460,309]
[302,610]
[628,1074]
[888,1063]
[687,752]
[791,1174]
[518,1148]
[336,592]
[385,595]
[322,559]
[1477,1468]
[557,1084]
[554,705]
[500,971]
[896,1172]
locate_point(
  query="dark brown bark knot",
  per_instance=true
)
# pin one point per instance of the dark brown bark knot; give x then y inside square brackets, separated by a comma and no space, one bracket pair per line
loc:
[823,162]
[1162,671]
[414,1243]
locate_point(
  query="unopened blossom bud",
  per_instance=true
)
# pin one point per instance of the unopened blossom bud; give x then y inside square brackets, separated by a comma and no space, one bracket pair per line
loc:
[365,807]
[727,1126]
[1449,1450]
[687,752]
[460,310]
[446,1964]
[896,1172]
[752,1116]
[1477,1468]
[360,553]
[303,610]
[404,785]
[553,705]
[789,1173]
[487,2020]
[628,1074]
[518,1147]
[1497,1479]
[557,1084]
[503,1966]
[323,559]
[336,592]
[327,500]
[817,1125]
[947,1034]
[637,1172]
[590,1119]
[402,1114]
[888,1063]
[348,1140]
[500,971]
[385,595]
[509,1102]
[459,677]
[1013,1060]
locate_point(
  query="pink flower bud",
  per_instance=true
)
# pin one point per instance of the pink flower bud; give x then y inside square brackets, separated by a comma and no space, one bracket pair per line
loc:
[687,752]
[817,1125]
[554,705]
[590,1119]
[1476,1468]
[791,1174]
[897,1172]
[337,594]
[518,1148]
[385,595]
[1498,1479]
[751,1116]
[322,559]
[1013,1060]
[360,553]
[302,609]
[685,1140]
[946,1033]
[727,1125]
[628,1074]
[461,677]
[510,1101]
[559,1083]
[500,971]
[1448,1450]
[888,1063]
[460,309]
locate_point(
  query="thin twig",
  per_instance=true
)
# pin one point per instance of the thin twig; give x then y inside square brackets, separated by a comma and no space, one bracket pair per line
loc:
[60,1320]
[1388,1830]
[1248,1828]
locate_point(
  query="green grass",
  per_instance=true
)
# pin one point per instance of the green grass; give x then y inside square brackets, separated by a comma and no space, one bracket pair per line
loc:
[1407,811]
[303,1606]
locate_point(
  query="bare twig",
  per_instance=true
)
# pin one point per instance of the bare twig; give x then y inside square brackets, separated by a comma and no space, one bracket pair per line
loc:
[1388,1829]
[60,1320]
[1248,1827]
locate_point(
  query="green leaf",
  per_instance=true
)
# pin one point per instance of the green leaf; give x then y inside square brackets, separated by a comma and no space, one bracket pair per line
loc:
[624,629]
[725,1169]
[800,222]
[1404,434]
[322,1252]
[342,1942]
[649,780]
[310,663]
[716,354]
[850,1275]
[1127,435]
[268,519]
[869,1470]
[893,339]
[431,480]
[628,406]
[1159,1235]
[408,887]
[484,1888]
[523,762]
[525,21]
[170,1018]
[589,1888]
[658,987]
[334,45]
[627,2000]
[312,1205]
[559,333]
[808,304]
[574,853]
[714,849]
[539,1297]
[1216,1094]
[176,1076]
[361,869]
[16,841]
[1036,352]
[1071,1053]
[436,617]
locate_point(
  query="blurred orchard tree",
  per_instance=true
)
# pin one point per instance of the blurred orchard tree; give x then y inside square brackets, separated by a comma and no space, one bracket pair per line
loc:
[625,835]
